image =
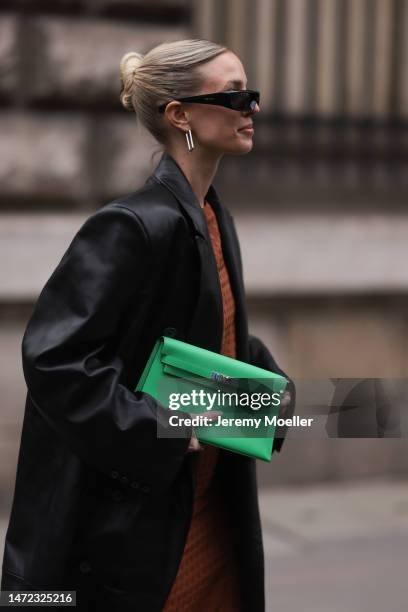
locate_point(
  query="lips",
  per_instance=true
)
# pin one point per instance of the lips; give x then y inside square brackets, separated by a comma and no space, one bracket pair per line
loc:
[246,127]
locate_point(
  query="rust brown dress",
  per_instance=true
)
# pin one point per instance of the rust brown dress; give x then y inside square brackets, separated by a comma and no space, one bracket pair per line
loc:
[207,577]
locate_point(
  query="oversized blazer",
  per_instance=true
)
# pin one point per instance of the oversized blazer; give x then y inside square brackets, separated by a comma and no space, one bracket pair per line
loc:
[101,504]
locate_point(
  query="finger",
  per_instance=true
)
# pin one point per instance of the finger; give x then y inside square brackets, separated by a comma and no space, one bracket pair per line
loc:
[194,444]
[286,398]
[213,415]
[194,447]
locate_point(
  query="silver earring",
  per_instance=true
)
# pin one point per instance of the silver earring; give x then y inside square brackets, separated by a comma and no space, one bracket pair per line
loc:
[189,138]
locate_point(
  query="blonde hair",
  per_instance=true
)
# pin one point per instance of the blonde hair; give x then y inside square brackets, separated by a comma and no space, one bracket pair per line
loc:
[166,72]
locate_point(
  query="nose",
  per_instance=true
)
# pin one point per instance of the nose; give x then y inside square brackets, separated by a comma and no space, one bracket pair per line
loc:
[255,109]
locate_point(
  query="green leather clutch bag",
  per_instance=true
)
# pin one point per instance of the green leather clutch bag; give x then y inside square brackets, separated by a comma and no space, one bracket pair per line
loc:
[191,379]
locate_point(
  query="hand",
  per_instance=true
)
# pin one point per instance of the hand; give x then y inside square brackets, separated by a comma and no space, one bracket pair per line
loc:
[194,444]
[286,399]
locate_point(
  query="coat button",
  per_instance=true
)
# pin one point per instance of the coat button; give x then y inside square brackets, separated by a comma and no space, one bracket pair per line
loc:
[114,474]
[117,495]
[124,480]
[171,332]
[135,485]
[145,488]
[84,567]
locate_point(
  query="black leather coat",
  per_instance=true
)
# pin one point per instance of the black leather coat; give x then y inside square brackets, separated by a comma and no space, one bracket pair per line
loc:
[101,505]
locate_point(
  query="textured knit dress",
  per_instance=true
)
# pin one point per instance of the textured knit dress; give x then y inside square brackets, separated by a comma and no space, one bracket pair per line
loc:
[207,579]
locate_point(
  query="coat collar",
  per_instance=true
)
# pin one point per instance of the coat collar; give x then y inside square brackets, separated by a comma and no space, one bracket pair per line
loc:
[169,173]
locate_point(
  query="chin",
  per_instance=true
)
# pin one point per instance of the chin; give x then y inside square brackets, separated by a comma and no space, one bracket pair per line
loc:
[239,148]
[243,147]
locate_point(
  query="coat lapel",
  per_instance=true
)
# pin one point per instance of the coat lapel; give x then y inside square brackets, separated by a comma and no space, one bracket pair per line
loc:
[169,174]
[209,306]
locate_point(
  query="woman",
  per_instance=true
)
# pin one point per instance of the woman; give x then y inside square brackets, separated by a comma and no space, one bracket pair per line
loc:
[103,505]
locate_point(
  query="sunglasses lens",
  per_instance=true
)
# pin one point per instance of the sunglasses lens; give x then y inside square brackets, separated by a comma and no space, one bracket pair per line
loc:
[240,101]
[254,100]
[245,101]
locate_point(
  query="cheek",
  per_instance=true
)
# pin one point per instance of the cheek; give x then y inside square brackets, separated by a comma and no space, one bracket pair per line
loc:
[217,127]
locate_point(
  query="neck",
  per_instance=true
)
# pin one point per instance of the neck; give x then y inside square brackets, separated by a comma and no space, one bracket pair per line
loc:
[199,168]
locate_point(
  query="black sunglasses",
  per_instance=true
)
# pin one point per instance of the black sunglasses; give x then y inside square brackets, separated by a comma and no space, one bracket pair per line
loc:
[242,100]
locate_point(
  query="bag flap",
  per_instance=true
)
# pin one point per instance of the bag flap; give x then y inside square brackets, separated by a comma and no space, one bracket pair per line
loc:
[186,367]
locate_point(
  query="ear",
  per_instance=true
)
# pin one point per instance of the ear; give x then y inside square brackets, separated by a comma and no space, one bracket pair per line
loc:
[176,115]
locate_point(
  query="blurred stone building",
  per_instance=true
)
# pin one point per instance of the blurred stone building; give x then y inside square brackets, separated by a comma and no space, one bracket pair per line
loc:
[320,202]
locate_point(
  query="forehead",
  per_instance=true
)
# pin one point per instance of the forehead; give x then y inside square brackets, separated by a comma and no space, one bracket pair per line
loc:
[223,71]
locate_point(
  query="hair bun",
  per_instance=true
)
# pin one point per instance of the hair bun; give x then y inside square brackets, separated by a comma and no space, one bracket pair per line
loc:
[129,64]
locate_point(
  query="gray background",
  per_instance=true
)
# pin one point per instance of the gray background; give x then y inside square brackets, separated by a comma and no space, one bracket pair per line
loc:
[320,207]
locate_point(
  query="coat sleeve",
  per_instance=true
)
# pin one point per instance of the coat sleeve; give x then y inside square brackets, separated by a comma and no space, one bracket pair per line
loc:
[262,358]
[70,361]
